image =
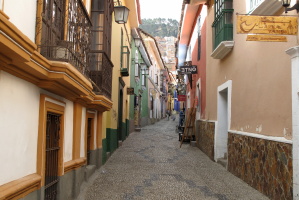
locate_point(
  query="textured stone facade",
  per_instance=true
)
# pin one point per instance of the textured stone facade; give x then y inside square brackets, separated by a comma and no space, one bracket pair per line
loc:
[205,137]
[263,164]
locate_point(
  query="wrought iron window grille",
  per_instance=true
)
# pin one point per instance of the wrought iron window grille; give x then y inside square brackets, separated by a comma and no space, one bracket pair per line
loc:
[65,32]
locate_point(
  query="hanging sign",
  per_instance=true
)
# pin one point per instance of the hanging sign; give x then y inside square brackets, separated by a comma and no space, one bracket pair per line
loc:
[188,69]
[181,97]
[130,91]
[272,25]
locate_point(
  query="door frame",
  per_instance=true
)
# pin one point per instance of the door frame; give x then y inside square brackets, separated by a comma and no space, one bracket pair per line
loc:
[224,95]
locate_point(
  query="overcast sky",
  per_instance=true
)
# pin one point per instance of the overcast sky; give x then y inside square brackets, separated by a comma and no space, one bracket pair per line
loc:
[161,8]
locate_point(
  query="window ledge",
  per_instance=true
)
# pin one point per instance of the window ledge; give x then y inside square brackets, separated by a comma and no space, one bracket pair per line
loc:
[267,7]
[223,49]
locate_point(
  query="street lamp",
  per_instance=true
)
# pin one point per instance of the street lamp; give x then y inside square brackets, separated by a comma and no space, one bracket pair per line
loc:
[121,13]
[286,4]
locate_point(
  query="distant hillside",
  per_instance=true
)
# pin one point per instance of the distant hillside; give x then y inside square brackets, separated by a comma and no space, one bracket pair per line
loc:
[160,27]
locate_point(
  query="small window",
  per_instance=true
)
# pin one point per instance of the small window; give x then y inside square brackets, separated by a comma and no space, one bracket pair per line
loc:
[143,78]
[136,70]
[199,38]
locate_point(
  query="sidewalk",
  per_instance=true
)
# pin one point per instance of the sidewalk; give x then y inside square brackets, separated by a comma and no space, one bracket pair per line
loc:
[150,165]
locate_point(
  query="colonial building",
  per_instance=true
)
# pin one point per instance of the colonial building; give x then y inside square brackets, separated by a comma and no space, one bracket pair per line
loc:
[57,64]
[158,73]
[139,109]
[117,121]
[246,88]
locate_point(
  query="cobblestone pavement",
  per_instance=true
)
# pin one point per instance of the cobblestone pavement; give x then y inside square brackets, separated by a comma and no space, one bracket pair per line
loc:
[151,165]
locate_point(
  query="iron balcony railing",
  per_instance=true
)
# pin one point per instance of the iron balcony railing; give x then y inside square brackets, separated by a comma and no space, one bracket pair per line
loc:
[66,38]
[223,27]
[100,72]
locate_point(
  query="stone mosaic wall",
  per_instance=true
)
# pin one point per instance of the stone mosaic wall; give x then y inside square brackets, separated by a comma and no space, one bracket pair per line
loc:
[265,165]
[205,137]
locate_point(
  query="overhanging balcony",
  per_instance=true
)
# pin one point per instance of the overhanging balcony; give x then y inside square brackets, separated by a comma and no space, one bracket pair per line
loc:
[65,37]
[100,72]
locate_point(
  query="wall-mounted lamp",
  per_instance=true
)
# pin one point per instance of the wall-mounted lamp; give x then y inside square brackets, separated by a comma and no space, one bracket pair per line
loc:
[137,42]
[286,4]
[121,13]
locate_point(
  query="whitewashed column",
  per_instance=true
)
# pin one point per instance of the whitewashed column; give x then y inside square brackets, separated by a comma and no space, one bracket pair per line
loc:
[294,53]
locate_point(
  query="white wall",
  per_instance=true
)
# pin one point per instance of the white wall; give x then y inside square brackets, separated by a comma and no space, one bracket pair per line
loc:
[68,131]
[83,126]
[1,4]
[22,13]
[19,110]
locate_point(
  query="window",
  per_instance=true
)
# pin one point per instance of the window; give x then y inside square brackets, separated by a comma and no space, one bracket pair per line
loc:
[136,70]
[136,64]
[102,24]
[125,57]
[63,33]
[143,78]
[223,23]
[199,38]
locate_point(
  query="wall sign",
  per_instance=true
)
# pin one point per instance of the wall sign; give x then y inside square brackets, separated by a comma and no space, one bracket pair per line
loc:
[272,25]
[181,97]
[130,91]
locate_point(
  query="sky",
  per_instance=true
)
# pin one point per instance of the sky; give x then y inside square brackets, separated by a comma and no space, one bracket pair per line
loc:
[161,8]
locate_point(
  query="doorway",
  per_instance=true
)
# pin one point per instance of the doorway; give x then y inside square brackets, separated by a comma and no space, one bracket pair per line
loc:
[223,120]
[52,155]
[120,116]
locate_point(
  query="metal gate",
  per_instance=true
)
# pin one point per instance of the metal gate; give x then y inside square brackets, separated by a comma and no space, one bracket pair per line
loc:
[52,154]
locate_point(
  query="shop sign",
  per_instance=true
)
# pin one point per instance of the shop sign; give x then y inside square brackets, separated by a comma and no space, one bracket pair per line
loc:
[130,91]
[266,38]
[181,97]
[271,25]
[188,69]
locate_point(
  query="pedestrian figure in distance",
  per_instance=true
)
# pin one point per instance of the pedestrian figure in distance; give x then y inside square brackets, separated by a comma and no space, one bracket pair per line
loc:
[168,114]
[173,114]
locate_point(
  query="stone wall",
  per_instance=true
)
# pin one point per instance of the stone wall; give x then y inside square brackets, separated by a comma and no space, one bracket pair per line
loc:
[205,132]
[265,165]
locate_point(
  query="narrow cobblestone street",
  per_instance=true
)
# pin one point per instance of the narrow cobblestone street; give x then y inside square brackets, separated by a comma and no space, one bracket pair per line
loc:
[151,165]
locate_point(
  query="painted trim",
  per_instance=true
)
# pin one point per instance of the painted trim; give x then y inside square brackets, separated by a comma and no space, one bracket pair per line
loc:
[73,164]
[255,135]
[17,44]
[21,187]
[294,54]
[221,140]
[99,135]
[92,116]
[77,130]
[67,67]
[222,49]
[46,106]
[227,85]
